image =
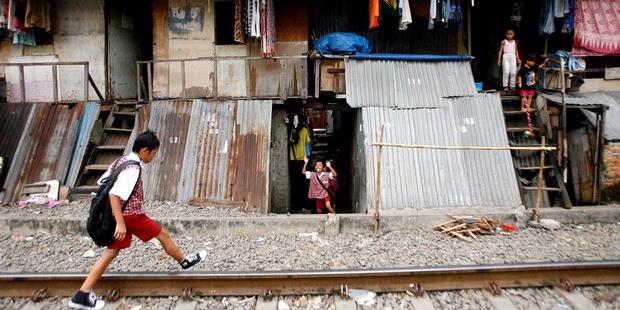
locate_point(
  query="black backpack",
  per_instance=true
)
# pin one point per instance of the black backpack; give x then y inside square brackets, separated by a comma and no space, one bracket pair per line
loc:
[101,223]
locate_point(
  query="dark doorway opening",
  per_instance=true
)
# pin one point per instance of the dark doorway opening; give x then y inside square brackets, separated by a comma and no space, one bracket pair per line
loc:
[330,132]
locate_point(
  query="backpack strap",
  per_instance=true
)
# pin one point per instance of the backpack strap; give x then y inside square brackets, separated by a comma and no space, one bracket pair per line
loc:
[329,192]
[117,171]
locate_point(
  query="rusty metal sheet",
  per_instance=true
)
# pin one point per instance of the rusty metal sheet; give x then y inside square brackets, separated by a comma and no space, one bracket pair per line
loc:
[212,152]
[206,159]
[250,170]
[13,121]
[281,78]
[170,120]
[45,148]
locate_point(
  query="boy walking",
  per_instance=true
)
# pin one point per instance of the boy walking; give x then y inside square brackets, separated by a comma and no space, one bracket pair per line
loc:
[319,185]
[128,191]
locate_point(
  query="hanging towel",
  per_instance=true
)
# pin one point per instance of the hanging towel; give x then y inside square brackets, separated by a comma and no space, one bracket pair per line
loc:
[269,29]
[445,11]
[239,37]
[432,14]
[392,3]
[561,8]
[255,17]
[373,12]
[38,14]
[405,19]
[569,21]
[3,10]
[25,38]
[547,23]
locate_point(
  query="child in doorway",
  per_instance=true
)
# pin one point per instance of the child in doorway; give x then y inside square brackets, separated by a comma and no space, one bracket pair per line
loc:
[126,199]
[319,185]
[508,58]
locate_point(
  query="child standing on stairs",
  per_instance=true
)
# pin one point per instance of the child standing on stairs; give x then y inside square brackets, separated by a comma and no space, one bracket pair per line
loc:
[508,58]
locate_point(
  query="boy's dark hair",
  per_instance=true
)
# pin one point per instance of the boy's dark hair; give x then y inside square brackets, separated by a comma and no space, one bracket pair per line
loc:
[531,57]
[147,139]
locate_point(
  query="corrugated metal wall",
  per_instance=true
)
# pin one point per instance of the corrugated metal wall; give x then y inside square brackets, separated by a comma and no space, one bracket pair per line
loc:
[423,178]
[85,127]
[45,146]
[406,84]
[13,120]
[211,151]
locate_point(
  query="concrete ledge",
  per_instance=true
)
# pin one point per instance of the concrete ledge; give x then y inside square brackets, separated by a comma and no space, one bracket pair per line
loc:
[323,224]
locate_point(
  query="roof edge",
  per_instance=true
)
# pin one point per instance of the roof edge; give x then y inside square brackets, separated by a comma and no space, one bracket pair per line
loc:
[411,57]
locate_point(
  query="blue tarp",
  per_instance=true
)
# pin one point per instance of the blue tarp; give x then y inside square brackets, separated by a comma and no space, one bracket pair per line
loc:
[342,43]
[411,57]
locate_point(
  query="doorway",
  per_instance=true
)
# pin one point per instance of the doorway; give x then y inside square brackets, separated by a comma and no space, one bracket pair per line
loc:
[330,132]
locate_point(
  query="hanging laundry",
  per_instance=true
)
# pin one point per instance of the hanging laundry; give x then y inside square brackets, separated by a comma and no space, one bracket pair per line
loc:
[239,37]
[445,11]
[456,14]
[432,14]
[569,21]
[373,12]
[405,18]
[561,8]
[547,22]
[392,3]
[597,27]
[253,18]
[38,14]
[19,14]
[25,38]
[269,29]
[3,12]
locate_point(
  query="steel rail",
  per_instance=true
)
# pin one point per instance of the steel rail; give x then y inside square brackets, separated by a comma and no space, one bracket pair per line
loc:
[320,282]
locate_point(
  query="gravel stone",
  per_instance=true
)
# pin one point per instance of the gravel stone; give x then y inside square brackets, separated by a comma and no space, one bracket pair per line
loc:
[537,298]
[298,252]
[604,297]
[159,209]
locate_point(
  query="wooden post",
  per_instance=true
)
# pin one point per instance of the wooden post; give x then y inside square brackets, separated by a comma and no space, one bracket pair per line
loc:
[149,77]
[22,84]
[378,184]
[183,80]
[55,82]
[564,134]
[469,30]
[536,214]
[86,72]
[138,82]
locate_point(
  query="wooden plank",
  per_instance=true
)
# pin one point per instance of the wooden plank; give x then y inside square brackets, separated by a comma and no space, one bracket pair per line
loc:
[262,304]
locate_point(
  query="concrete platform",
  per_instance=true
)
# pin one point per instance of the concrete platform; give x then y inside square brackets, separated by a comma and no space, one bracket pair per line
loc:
[323,224]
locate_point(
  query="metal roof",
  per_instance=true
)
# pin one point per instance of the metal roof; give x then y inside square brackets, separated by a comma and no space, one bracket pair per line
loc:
[423,178]
[406,84]
[611,99]
[211,151]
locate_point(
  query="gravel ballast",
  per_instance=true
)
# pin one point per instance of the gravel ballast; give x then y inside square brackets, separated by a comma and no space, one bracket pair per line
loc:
[313,251]
[526,299]
[158,209]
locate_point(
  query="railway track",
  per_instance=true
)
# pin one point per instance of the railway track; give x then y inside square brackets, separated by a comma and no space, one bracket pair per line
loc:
[419,279]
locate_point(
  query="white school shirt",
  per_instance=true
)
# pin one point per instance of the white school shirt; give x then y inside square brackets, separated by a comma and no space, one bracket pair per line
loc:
[126,180]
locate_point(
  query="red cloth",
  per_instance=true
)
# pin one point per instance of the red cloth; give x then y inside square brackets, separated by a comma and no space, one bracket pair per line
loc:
[140,225]
[316,191]
[597,26]
[320,204]
[373,11]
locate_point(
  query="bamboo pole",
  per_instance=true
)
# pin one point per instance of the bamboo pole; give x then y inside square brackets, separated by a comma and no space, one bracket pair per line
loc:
[468,148]
[378,180]
[536,214]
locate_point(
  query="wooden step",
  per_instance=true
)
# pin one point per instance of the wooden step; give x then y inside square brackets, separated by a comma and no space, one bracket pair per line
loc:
[549,189]
[518,129]
[517,112]
[85,189]
[508,98]
[111,147]
[118,130]
[126,102]
[97,167]
[124,114]
[534,168]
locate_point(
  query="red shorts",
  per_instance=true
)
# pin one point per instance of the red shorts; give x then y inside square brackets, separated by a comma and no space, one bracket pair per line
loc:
[320,203]
[526,92]
[140,225]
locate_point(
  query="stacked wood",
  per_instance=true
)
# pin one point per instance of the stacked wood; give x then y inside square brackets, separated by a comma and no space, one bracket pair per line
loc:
[468,228]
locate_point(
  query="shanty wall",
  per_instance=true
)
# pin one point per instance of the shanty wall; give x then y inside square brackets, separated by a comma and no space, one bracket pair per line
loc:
[194,37]
[38,143]
[79,35]
[214,152]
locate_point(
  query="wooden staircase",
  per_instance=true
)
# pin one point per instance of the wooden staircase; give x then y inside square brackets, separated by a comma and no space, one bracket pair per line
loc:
[527,163]
[118,129]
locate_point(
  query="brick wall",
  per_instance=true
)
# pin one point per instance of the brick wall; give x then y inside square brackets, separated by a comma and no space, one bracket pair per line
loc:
[611,172]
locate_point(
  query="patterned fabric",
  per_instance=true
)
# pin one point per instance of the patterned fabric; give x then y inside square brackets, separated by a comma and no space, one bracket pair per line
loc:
[269,29]
[134,206]
[239,37]
[316,191]
[597,26]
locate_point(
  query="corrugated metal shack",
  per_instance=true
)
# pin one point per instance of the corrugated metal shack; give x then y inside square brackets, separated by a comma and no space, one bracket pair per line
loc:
[212,152]
[38,143]
[433,103]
